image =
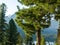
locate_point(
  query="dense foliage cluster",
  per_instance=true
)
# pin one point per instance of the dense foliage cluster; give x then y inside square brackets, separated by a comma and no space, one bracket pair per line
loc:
[37,16]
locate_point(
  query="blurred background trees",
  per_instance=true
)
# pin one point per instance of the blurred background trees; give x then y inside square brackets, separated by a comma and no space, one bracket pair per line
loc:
[8,31]
[2,24]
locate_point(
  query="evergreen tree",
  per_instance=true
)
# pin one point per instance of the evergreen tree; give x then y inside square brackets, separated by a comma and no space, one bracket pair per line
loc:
[2,16]
[40,5]
[20,40]
[6,34]
[2,23]
[35,14]
[12,33]
[33,19]
[57,17]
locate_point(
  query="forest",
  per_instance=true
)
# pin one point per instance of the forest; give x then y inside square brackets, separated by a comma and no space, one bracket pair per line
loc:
[32,21]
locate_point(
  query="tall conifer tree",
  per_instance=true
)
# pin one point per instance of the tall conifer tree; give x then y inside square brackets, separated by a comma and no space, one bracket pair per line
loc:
[13,33]
[35,18]
[2,22]
[34,15]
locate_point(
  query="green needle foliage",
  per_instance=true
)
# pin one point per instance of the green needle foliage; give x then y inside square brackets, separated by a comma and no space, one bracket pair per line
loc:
[33,19]
[57,17]
[2,23]
[57,14]
[12,33]
[32,2]
[37,16]
[2,16]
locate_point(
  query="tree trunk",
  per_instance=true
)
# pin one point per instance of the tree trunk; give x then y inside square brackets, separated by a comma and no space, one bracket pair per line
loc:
[39,37]
[58,40]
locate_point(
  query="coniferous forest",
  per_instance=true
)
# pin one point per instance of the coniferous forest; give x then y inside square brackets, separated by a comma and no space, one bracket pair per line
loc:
[40,23]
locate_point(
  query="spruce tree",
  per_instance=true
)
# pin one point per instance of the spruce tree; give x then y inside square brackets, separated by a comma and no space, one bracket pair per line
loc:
[13,33]
[2,23]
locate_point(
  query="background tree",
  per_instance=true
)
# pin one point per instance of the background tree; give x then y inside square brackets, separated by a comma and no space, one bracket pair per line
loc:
[2,23]
[12,33]
[20,39]
[57,17]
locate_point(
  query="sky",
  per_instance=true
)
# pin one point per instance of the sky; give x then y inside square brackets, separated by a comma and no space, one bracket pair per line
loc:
[11,6]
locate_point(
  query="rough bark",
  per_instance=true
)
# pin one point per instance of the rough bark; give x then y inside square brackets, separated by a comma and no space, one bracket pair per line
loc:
[39,37]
